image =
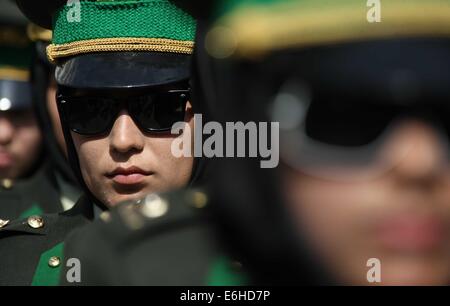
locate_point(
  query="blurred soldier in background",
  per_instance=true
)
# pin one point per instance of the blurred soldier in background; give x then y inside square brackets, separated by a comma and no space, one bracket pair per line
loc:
[364,179]
[363,110]
[122,74]
[20,135]
[26,186]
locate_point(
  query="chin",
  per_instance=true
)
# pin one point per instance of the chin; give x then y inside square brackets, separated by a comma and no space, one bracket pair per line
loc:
[120,198]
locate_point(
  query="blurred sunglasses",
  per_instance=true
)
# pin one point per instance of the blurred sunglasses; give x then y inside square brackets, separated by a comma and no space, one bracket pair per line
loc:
[339,136]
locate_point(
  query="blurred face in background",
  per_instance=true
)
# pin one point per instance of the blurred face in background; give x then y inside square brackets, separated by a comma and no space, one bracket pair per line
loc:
[364,166]
[20,143]
[400,216]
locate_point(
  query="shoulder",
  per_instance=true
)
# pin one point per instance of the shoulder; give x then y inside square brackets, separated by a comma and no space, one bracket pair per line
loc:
[52,225]
[155,212]
[165,239]
[26,243]
[37,194]
[22,243]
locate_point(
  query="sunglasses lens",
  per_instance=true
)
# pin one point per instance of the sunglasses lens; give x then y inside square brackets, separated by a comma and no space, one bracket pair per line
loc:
[349,122]
[159,111]
[89,115]
[152,112]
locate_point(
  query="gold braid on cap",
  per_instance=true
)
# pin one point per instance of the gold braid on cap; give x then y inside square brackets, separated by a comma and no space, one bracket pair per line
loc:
[119,44]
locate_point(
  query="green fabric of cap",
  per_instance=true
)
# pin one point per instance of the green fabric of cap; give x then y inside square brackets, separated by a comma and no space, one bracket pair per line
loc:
[15,53]
[15,57]
[113,19]
[15,47]
[252,28]
[229,6]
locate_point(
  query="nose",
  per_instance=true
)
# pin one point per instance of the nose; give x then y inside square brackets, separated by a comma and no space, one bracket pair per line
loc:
[125,136]
[418,152]
[6,130]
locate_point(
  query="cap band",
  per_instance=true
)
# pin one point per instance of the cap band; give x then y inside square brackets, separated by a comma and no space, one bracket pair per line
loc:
[119,44]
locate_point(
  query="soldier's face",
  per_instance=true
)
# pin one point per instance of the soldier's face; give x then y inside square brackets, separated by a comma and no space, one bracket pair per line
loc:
[127,164]
[401,217]
[20,143]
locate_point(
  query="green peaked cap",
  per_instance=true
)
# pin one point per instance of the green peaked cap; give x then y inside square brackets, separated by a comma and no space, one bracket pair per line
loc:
[15,53]
[249,27]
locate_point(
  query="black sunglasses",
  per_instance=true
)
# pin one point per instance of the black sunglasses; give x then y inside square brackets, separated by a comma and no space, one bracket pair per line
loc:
[154,111]
[359,122]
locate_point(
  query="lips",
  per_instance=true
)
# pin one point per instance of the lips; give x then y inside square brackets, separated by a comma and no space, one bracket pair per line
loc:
[411,233]
[5,160]
[128,176]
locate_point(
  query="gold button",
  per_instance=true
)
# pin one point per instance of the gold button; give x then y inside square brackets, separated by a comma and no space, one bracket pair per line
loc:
[154,206]
[199,199]
[35,221]
[7,183]
[105,216]
[54,261]
[3,223]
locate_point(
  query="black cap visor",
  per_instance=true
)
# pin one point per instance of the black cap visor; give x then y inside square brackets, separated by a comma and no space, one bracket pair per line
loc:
[15,95]
[122,70]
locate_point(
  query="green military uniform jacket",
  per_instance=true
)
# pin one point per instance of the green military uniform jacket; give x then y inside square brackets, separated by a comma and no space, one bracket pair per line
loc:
[164,240]
[35,195]
[31,248]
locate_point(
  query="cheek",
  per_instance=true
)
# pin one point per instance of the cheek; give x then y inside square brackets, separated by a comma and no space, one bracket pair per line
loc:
[313,199]
[26,145]
[90,157]
[191,128]
[27,140]
[174,172]
[328,213]
[332,217]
